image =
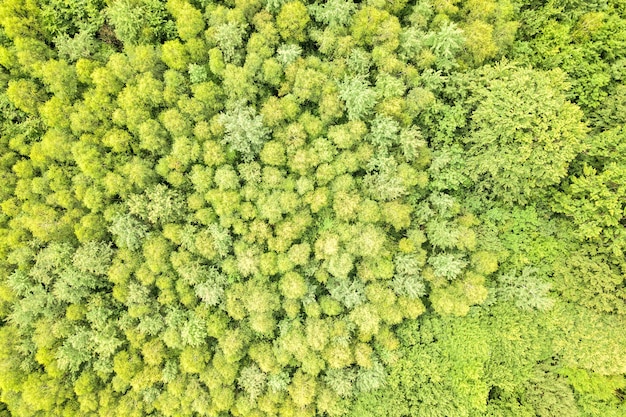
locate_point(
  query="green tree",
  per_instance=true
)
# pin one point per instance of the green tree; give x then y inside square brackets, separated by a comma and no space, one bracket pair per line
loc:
[25,95]
[126,18]
[189,21]
[360,99]
[244,130]
[292,21]
[514,136]
[175,55]
[61,79]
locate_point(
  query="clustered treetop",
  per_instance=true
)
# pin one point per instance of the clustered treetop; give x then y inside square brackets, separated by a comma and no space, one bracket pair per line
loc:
[307,208]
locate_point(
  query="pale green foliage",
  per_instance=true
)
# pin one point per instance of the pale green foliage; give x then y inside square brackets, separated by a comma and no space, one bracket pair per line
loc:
[274,5]
[442,234]
[151,325]
[444,205]
[382,181]
[359,62]
[19,283]
[170,370]
[412,42]
[139,21]
[445,44]
[407,280]
[226,178]
[193,331]
[341,381]
[245,132]
[278,382]
[447,265]
[197,73]
[73,286]
[526,290]
[222,240]
[349,293]
[159,204]
[383,133]
[49,261]
[252,380]
[288,53]
[81,45]
[334,12]
[211,291]
[93,257]
[358,96]
[229,38]
[74,352]
[128,231]
[370,379]
[412,144]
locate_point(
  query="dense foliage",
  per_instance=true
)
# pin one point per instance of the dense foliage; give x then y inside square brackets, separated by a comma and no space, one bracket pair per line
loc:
[313,208]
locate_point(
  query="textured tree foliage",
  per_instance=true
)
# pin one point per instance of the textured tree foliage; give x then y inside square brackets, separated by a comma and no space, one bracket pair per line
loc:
[312,208]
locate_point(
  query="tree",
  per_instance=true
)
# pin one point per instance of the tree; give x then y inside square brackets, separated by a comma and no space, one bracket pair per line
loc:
[244,130]
[93,257]
[518,144]
[526,290]
[81,45]
[252,380]
[292,21]
[189,21]
[175,55]
[302,389]
[126,18]
[128,231]
[153,137]
[158,204]
[373,27]
[229,37]
[60,79]
[335,13]
[360,99]
[595,201]
[25,95]
[20,18]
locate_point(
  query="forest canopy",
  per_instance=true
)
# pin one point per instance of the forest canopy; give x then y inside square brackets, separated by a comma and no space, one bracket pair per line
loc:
[260,208]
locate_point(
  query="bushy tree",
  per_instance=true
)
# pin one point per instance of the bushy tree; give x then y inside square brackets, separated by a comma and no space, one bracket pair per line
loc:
[244,130]
[25,95]
[126,18]
[526,291]
[159,204]
[521,134]
[292,21]
[360,99]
